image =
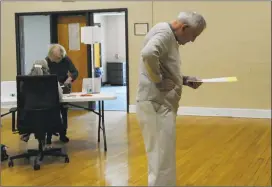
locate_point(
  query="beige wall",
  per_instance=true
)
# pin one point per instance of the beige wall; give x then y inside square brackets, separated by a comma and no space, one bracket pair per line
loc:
[235,43]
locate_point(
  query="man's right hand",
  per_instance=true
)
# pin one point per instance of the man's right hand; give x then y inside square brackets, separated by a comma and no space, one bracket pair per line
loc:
[166,85]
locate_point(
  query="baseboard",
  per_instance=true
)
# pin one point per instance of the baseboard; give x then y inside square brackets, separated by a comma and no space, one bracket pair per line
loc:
[224,112]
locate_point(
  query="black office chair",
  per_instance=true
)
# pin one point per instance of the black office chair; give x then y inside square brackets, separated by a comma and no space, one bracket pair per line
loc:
[38,112]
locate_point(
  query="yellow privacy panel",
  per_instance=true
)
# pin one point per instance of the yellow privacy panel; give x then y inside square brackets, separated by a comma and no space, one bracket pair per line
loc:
[97,56]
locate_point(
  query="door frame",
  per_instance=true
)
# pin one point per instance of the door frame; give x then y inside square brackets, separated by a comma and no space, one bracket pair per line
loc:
[54,35]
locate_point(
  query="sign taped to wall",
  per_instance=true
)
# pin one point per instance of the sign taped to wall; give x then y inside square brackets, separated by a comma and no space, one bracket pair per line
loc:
[74,36]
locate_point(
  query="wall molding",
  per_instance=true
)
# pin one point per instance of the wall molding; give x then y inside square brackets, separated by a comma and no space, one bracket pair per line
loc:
[222,112]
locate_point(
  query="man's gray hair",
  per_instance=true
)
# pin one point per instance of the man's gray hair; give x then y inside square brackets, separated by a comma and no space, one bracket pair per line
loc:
[193,19]
[60,47]
[40,67]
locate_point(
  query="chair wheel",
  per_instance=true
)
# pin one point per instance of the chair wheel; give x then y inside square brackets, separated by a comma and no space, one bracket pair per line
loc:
[37,167]
[67,160]
[10,163]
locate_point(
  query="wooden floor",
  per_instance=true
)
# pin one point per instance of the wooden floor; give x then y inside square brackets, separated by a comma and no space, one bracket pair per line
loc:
[211,151]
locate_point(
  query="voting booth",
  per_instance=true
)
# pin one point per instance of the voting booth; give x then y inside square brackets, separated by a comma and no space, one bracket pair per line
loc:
[8,88]
[8,92]
[91,85]
[91,35]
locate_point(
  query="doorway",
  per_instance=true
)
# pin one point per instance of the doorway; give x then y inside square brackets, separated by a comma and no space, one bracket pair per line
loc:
[110,57]
[57,27]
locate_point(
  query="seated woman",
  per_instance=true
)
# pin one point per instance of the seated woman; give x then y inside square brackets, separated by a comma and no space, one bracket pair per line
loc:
[40,67]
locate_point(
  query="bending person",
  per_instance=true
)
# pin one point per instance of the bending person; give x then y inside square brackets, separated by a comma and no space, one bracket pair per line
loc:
[62,66]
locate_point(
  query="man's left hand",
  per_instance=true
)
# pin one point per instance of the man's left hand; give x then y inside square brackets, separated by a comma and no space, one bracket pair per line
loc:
[192,82]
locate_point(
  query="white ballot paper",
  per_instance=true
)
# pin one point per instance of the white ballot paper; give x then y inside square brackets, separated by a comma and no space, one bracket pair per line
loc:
[221,79]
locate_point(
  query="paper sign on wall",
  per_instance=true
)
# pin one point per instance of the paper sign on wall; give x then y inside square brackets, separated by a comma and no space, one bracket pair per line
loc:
[74,36]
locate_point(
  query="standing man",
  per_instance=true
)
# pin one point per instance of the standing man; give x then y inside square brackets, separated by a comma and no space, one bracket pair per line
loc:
[62,66]
[159,92]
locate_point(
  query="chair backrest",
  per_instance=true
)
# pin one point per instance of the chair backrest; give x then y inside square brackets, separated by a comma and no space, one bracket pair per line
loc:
[38,104]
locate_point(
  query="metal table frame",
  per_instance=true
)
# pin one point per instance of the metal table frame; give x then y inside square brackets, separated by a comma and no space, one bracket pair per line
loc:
[12,111]
[101,120]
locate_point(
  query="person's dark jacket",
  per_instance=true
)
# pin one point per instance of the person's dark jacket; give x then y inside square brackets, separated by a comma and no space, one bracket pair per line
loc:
[62,68]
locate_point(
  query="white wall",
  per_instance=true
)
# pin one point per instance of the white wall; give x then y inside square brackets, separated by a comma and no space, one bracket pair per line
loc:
[103,21]
[116,39]
[37,39]
[113,39]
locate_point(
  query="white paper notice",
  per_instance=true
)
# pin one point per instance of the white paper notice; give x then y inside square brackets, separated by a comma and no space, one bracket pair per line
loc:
[221,79]
[74,36]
